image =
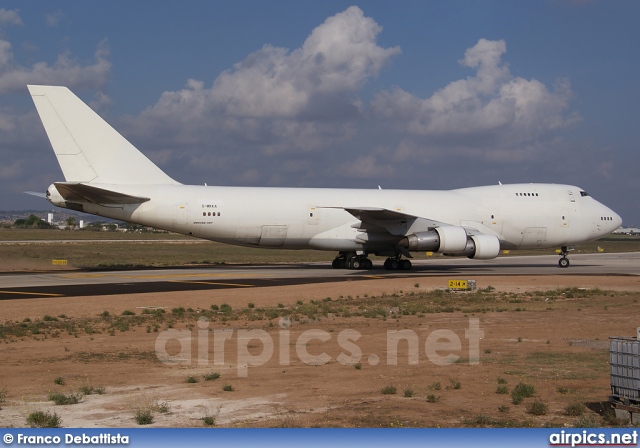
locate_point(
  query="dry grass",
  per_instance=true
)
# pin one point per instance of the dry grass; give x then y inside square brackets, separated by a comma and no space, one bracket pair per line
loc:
[168,249]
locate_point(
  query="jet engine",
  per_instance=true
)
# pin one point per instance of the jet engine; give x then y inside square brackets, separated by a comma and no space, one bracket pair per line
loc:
[453,241]
[480,247]
[441,239]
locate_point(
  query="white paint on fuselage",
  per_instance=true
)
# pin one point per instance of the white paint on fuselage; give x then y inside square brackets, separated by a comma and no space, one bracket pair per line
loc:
[292,217]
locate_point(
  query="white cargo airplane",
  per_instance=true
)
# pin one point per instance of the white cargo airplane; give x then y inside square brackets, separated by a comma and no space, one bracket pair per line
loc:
[107,176]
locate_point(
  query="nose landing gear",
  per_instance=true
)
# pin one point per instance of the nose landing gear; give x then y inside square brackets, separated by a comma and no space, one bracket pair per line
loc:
[564,259]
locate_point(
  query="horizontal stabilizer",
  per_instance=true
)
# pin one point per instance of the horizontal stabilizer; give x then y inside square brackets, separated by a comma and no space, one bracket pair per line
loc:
[74,192]
[36,193]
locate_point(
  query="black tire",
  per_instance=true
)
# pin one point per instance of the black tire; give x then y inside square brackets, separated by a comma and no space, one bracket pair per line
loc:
[405,265]
[355,263]
[393,264]
[335,264]
[564,262]
[367,264]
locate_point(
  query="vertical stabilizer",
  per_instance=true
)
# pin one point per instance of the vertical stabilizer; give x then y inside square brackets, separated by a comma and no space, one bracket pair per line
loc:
[88,149]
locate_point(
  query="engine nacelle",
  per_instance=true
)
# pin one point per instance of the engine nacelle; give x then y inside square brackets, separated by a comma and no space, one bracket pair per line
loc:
[54,197]
[442,239]
[479,247]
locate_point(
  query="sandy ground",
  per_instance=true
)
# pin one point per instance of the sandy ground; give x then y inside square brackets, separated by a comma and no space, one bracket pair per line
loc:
[558,345]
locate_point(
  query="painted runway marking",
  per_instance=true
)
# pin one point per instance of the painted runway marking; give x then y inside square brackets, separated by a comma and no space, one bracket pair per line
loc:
[83,275]
[211,283]
[187,275]
[31,293]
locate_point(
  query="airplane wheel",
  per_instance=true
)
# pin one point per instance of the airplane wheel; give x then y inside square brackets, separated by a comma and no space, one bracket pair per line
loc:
[335,264]
[355,263]
[367,264]
[391,264]
[564,262]
[405,265]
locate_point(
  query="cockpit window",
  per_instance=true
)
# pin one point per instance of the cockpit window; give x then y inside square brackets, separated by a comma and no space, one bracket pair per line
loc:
[584,193]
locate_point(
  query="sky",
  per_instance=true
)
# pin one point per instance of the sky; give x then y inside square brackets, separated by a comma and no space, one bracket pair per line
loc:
[406,95]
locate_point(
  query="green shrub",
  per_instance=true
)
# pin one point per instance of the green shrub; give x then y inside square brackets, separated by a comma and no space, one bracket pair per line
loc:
[211,376]
[586,421]
[537,408]
[226,308]
[62,399]
[521,391]
[191,379]
[387,390]
[408,393]
[209,420]
[574,409]
[502,390]
[179,312]
[59,381]
[228,388]
[86,390]
[143,417]
[3,396]
[40,419]
[431,398]
[162,408]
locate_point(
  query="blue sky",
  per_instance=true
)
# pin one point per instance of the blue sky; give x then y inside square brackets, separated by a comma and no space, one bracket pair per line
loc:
[411,94]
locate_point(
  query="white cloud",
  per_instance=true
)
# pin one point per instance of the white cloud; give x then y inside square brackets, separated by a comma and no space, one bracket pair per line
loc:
[304,103]
[9,17]
[54,18]
[277,98]
[493,103]
[65,71]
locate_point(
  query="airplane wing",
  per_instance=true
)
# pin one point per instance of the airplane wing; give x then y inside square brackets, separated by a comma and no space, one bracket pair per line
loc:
[381,220]
[77,192]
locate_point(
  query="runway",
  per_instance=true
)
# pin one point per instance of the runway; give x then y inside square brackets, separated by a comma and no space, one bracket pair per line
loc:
[107,282]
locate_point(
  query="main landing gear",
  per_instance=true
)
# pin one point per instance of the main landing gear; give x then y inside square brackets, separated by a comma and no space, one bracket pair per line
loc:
[351,261]
[395,263]
[564,259]
[346,260]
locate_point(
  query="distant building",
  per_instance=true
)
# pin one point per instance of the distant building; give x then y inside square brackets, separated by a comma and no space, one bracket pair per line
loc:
[627,231]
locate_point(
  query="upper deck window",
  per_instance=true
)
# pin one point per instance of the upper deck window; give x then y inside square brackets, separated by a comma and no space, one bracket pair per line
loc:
[584,193]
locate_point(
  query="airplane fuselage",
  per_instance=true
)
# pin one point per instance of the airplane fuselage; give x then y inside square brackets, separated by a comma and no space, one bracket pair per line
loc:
[521,216]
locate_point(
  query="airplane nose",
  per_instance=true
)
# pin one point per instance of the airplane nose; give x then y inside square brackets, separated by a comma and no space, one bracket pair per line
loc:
[617,220]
